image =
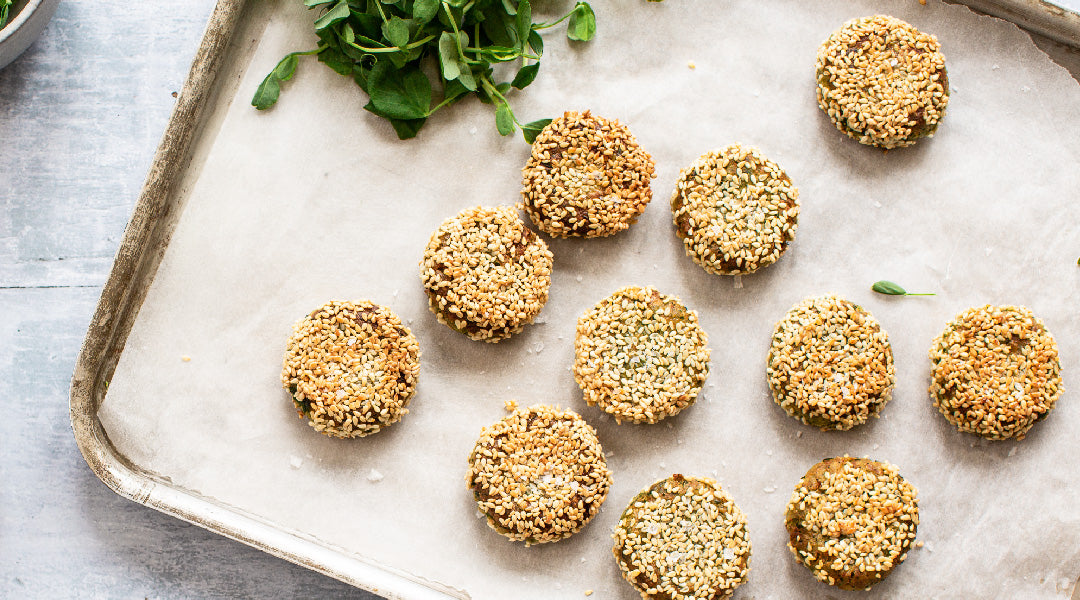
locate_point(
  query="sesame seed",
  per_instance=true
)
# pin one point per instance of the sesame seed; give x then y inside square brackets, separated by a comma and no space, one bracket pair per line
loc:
[683,538]
[830,364]
[486,274]
[352,389]
[882,82]
[640,355]
[851,521]
[538,475]
[587,177]
[735,210]
[995,371]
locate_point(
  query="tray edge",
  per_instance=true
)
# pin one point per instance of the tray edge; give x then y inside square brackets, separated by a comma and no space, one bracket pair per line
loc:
[143,244]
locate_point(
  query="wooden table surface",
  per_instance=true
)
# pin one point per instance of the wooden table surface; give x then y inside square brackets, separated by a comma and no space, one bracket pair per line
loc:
[81,114]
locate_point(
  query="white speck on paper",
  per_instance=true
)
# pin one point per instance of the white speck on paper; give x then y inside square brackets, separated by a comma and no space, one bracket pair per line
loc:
[295,462]
[768,453]
[579,278]
[877,204]
[770,489]
[663,465]
[994,68]
[539,347]
[1012,451]
[472,131]
[394,294]
[1025,89]
[989,251]
[876,446]
[798,434]
[374,476]
[738,282]
[540,320]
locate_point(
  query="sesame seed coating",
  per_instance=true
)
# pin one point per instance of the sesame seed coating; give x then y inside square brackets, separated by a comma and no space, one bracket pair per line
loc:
[486,274]
[640,355]
[538,475]
[882,82]
[830,364]
[351,368]
[683,538]
[851,521]
[587,177]
[995,371]
[735,210]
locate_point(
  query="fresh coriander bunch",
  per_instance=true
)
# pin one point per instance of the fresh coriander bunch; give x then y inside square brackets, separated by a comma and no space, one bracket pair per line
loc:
[382,45]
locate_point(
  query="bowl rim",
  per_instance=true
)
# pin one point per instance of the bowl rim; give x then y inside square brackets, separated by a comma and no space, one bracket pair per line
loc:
[20,19]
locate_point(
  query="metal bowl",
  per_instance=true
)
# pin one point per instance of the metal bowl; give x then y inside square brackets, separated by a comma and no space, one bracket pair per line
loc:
[26,20]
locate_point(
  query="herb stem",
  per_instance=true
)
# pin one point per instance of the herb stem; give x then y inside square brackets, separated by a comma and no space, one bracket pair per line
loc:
[539,26]
[378,5]
[385,49]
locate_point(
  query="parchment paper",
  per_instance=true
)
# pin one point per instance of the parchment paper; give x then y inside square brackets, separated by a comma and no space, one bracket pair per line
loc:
[317,200]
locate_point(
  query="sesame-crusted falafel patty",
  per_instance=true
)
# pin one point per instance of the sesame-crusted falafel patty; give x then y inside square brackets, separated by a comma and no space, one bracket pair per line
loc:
[486,274]
[882,82]
[640,355]
[995,371]
[735,210]
[830,364]
[683,538]
[851,521]
[351,368]
[587,177]
[538,475]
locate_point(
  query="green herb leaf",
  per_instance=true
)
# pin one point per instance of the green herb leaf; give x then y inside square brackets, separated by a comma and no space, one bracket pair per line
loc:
[381,45]
[448,56]
[467,78]
[536,42]
[396,31]
[532,129]
[892,289]
[582,26]
[424,10]
[338,13]
[266,95]
[525,76]
[523,21]
[286,68]
[504,118]
[400,94]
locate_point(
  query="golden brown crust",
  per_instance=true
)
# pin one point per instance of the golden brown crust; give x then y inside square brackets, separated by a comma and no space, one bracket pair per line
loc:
[351,368]
[995,371]
[851,521]
[735,210]
[830,364]
[587,177]
[538,475]
[683,538]
[882,82]
[486,274]
[640,355]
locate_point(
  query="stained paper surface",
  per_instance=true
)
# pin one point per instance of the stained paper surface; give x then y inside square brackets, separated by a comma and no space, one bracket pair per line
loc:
[317,200]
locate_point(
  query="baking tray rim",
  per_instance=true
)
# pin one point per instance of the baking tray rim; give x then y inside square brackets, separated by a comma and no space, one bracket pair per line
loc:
[139,255]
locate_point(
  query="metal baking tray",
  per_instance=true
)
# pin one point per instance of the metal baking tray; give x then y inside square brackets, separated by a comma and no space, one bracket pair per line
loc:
[213,76]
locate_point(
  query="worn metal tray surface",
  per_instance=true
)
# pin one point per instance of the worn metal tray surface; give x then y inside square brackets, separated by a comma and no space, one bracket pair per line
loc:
[249,220]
